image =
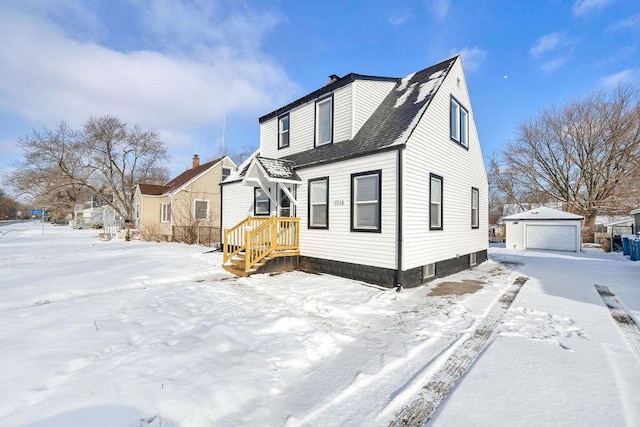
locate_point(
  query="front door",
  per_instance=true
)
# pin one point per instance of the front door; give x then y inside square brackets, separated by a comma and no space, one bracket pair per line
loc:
[284,205]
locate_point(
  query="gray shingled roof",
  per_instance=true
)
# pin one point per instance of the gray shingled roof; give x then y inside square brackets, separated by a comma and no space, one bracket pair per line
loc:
[391,123]
[389,126]
[279,168]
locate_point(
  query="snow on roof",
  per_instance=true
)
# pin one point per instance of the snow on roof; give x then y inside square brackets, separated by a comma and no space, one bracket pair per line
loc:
[404,82]
[542,213]
[635,212]
[279,168]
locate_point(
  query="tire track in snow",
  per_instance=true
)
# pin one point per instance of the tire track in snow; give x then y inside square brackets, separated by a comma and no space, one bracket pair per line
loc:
[438,387]
[623,319]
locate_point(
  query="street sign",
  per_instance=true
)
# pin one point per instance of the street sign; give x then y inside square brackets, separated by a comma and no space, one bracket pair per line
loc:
[36,211]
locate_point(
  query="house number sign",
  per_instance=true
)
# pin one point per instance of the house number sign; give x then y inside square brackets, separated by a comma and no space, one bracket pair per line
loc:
[338,202]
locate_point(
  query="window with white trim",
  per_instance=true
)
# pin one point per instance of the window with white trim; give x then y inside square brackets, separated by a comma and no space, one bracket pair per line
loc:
[319,203]
[473,259]
[459,123]
[435,202]
[166,212]
[201,209]
[283,131]
[475,200]
[261,202]
[324,121]
[366,193]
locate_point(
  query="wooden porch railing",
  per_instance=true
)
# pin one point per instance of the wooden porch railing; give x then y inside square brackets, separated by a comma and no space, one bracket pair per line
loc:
[258,237]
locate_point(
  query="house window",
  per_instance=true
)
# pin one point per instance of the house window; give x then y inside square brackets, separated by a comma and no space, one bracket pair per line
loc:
[261,202]
[459,123]
[201,209]
[166,212]
[429,271]
[225,173]
[473,259]
[475,197]
[137,211]
[366,193]
[319,203]
[324,121]
[435,204]
[283,131]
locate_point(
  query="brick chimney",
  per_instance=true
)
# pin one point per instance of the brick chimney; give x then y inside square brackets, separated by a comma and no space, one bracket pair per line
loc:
[195,161]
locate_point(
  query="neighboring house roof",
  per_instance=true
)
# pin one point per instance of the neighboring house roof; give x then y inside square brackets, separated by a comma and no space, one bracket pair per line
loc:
[543,213]
[390,124]
[152,190]
[635,212]
[242,169]
[188,175]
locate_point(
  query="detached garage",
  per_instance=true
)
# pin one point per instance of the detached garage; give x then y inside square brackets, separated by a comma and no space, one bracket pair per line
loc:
[544,228]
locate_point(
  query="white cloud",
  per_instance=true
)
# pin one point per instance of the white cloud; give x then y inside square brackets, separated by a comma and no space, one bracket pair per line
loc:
[553,64]
[580,7]
[553,49]
[472,58]
[623,77]
[399,19]
[439,8]
[631,23]
[47,76]
[548,43]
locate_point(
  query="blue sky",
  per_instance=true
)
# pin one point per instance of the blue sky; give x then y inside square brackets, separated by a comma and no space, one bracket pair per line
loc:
[191,68]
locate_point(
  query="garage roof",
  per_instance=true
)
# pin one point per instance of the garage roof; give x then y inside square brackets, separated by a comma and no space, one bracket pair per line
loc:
[544,213]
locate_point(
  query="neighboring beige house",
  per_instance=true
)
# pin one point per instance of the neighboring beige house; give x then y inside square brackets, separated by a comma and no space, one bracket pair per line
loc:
[187,208]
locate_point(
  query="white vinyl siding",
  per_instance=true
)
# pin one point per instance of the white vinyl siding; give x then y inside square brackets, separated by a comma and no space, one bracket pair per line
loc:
[342,113]
[431,151]
[367,96]
[237,203]
[351,109]
[338,242]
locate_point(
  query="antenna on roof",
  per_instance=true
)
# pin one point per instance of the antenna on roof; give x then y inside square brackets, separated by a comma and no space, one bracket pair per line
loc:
[224,125]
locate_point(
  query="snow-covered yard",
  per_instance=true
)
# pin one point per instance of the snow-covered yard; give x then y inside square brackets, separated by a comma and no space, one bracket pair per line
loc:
[122,333]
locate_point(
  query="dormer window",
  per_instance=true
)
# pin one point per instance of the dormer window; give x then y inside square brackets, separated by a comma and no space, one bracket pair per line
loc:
[324,121]
[283,131]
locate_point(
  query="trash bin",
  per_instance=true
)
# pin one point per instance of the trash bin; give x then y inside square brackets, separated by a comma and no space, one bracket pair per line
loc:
[633,252]
[625,246]
[636,245]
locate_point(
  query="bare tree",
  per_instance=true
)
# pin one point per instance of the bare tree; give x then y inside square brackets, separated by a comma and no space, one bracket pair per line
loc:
[59,166]
[583,154]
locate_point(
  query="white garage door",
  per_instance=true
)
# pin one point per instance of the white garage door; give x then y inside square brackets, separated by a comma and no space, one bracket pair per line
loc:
[555,237]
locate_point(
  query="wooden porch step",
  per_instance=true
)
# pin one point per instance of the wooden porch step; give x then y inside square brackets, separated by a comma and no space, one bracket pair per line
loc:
[231,268]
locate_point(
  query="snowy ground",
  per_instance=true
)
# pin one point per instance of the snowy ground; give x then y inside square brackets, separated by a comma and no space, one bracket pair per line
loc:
[145,334]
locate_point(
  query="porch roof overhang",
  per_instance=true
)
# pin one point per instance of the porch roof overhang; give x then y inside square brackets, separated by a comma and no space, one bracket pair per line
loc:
[263,170]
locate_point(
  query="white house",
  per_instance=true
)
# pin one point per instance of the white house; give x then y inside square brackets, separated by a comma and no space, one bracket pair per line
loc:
[544,228]
[374,178]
